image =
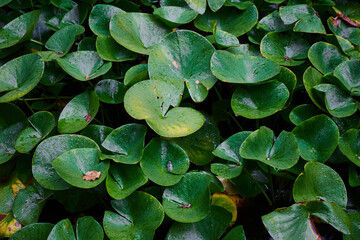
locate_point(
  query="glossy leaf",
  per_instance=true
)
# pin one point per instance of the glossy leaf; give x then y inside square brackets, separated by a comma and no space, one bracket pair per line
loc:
[137,32]
[62,230]
[355,226]
[84,65]
[6,198]
[197,5]
[302,113]
[19,76]
[171,63]
[317,138]
[312,78]
[189,200]
[164,162]
[110,91]
[98,133]
[273,23]
[215,5]
[136,74]
[236,233]
[226,171]
[99,18]
[344,30]
[348,72]
[45,154]
[87,228]
[349,145]
[35,231]
[175,16]
[109,50]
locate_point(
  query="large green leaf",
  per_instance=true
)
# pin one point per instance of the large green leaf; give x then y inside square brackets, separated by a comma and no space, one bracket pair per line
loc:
[45,153]
[78,167]
[138,32]
[348,73]
[35,231]
[78,113]
[150,100]
[41,124]
[84,65]
[210,228]
[10,127]
[259,101]
[283,153]
[175,16]
[12,33]
[109,50]
[126,143]
[62,230]
[317,138]
[189,200]
[123,179]
[242,68]
[100,16]
[285,49]
[229,19]
[349,145]
[137,217]
[320,182]
[183,57]
[164,162]
[19,76]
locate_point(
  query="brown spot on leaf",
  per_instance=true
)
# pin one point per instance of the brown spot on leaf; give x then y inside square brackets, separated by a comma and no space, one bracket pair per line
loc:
[87,117]
[335,21]
[58,53]
[185,205]
[175,64]
[91,176]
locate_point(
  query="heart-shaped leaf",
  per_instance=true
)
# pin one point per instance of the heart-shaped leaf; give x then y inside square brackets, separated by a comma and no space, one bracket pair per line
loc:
[110,91]
[283,153]
[164,162]
[189,200]
[84,65]
[242,68]
[174,16]
[259,101]
[171,63]
[138,32]
[320,182]
[348,72]
[285,49]
[11,33]
[132,217]
[19,76]
[10,127]
[81,167]
[109,50]
[317,138]
[150,100]
[126,143]
[78,113]
[87,228]
[41,125]
[349,145]
[99,18]
[35,231]
[45,153]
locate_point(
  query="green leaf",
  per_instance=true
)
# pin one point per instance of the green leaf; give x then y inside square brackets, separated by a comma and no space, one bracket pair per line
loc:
[19,76]
[6,198]
[325,57]
[312,78]
[164,162]
[225,39]
[341,29]
[138,32]
[10,127]
[132,219]
[136,74]
[337,101]
[210,228]
[174,16]
[98,133]
[215,5]
[226,170]
[109,50]
[242,68]
[355,226]
[150,100]
[183,57]
[301,113]
[41,125]
[259,101]
[317,138]
[310,24]
[291,14]
[87,228]
[75,165]
[229,19]
[61,41]
[245,49]
[273,23]
[62,230]
[110,91]
[197,5]
[99,18]
[45,153]
[52,73]
[84,65]
[199,145]
[349,145]
[282,153]
[78,113]
[230,148]
[123,179]
[28,205]
[348,72]
[285,49]
[236,233]
[126,143]
[320,182]
[35,231]
[12,33]
[189,200]
[87,44]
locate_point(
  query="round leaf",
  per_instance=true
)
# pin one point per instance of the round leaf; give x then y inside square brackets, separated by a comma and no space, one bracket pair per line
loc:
[62,230]
[109,50]
[302,113]
[136,74]
[100,16]
[189,200]
[110,91]
[87,228]
[349,145]
[35,231]
[175,16]
[164,162]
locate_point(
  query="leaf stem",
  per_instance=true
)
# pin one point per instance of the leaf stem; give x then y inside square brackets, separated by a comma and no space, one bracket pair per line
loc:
[259,186]
[218,93]
[45,98]
[271,183]
[35,41]
[27,104]
[237,123]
